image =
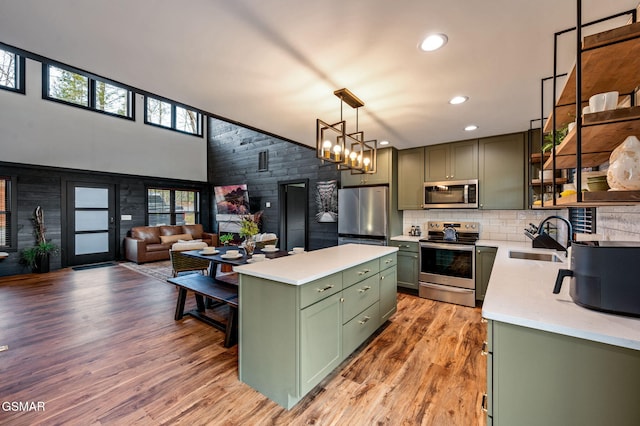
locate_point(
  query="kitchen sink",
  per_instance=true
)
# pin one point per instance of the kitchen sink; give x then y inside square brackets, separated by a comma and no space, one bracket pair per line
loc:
[545,257]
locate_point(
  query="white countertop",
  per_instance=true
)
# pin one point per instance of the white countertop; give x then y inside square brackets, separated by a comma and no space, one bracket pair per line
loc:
[520,292]
[302,268]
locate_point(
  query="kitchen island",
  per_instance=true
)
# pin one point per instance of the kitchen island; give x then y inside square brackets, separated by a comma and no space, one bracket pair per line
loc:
[550,361]
[302,315]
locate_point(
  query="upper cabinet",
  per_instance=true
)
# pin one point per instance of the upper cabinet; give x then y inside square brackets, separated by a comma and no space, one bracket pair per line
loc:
[410,178]
[609,62]
[451,161]
[502,165]
[382,176]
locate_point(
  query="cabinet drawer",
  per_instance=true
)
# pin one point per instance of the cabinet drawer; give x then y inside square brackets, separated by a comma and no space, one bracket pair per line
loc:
[359,296]
[360,272]
[388,261]
[405,245]
[359,329]
[320,289]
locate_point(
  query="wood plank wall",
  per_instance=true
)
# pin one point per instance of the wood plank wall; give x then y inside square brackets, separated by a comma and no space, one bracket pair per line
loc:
[233,159]
[45,187]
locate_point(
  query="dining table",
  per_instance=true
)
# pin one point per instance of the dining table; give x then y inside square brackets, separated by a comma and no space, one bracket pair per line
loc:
[211,291]
[219,257]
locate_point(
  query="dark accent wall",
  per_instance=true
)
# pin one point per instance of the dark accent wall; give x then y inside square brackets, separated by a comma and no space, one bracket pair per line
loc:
[45,187]
[233,155]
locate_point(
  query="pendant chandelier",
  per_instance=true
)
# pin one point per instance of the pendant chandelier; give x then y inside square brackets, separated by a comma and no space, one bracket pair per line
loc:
[349,151]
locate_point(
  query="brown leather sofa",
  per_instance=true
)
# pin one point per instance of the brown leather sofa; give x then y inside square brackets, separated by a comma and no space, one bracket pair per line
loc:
[151,243]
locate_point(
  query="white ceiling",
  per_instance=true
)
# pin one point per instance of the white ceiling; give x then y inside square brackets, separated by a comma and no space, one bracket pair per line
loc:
[274,64]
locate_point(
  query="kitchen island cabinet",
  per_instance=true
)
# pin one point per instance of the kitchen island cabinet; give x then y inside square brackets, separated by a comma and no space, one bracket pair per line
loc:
[302,315]
[550,361]
[451,161]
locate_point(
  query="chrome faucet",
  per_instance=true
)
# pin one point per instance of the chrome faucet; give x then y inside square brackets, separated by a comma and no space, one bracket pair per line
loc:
[543,240]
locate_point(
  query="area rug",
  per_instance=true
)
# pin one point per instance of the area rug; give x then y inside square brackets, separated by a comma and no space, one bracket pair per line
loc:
[160,270]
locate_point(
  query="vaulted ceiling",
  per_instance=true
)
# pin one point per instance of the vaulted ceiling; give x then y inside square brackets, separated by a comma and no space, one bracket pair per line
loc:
[274,64]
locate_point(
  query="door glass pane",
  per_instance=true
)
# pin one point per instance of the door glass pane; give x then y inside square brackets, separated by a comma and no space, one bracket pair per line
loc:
[92,197]
[92,220]
[92,243]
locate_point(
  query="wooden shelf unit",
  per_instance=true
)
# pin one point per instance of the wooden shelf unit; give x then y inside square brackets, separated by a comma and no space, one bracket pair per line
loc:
[601,198]
[618,50]
[602,132]
[610,62]
[559,181]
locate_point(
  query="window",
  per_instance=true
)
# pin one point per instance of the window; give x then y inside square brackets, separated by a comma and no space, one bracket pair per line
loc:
[172,206]
[71,87]
[11,71]
[583,220]
[8,226]
[166,114]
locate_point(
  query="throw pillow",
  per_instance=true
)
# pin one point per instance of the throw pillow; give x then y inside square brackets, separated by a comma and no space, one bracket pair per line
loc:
[169,239]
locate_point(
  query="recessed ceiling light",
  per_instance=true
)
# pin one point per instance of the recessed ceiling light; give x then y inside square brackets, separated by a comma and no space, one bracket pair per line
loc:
[384,142]
[433,42]
[458,100]
[471,128]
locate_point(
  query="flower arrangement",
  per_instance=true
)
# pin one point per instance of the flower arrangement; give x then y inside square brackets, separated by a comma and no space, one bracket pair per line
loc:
[248,227]
[249,224]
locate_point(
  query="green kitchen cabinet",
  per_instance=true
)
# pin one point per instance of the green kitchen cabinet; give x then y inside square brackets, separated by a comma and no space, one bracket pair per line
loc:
[320,340]
[292,336]
[383,175]
[537,377]
[408,263]
[451,161]
[485,256]
[410,178]
[388,293]
[502,170]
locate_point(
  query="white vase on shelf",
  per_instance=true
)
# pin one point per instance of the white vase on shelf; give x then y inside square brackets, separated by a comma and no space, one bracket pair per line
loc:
[624,166]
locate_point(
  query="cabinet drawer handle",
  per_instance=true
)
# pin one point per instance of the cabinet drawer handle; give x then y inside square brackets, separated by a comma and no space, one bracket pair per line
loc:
[485,403]
[364,321]
[485,348]
[366,271]
[363,289]
[320,290]
[388,261]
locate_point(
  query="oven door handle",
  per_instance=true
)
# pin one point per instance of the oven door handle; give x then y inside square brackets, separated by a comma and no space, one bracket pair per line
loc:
[446,246]
[448,288]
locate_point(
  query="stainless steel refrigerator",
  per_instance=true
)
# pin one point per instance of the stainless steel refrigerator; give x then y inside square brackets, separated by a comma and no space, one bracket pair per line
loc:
[362,215]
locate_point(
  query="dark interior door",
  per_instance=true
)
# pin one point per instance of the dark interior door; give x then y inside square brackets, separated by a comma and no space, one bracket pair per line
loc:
[91,225]
[294,213]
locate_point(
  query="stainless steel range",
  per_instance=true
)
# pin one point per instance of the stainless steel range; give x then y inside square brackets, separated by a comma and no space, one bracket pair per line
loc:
[448,262]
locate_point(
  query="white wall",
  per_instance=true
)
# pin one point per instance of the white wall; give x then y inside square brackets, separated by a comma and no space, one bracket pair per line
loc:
[41,132]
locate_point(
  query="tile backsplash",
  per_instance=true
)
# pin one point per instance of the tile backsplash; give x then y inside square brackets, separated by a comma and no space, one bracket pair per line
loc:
[613,223]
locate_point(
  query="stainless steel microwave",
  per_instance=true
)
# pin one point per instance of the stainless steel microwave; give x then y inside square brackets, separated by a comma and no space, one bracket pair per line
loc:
[451,194]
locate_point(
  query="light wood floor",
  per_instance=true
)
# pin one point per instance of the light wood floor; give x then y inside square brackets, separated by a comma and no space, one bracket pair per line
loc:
[100,347]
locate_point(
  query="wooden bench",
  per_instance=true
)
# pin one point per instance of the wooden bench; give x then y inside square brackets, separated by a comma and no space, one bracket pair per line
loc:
[205,287]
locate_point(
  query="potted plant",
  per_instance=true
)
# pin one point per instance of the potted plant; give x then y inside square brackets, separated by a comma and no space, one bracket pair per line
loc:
[226,239]
[550,143]
[248,229]
[37,257]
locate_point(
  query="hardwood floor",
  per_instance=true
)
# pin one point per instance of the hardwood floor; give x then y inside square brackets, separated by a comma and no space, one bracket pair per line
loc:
[101,347]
